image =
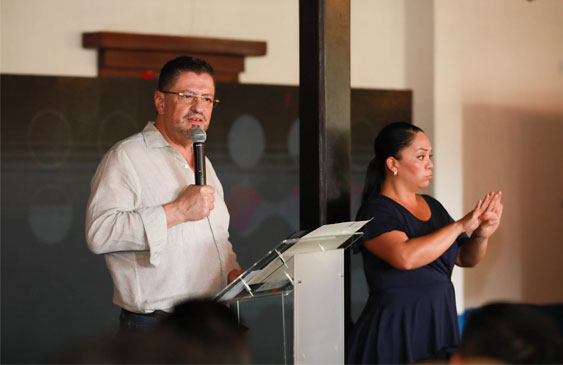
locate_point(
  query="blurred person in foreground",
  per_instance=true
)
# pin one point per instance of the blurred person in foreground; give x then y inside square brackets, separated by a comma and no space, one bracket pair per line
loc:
[196,332]
[510,333]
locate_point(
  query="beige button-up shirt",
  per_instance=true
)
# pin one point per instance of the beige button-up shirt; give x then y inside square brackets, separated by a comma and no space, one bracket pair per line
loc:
[152,266]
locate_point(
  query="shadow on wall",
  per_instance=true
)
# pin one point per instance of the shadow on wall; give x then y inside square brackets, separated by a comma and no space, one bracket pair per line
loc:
[521,153]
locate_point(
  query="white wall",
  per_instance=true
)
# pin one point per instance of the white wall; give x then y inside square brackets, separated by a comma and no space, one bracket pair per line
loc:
[449,183]
[453,54]
[43,37]
[513,53]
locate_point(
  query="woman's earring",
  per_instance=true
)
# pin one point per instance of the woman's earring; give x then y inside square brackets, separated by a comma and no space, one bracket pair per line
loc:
[395,172]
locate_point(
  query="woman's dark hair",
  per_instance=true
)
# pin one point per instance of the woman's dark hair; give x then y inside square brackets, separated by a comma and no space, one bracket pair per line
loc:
[392,139]
[175,67]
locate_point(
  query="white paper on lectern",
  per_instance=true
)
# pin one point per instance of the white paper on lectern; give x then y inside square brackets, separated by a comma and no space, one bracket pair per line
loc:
[325,238]
[336,229]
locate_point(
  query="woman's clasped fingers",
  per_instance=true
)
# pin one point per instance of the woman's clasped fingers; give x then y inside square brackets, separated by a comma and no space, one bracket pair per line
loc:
[494,203]
[487,201]
[489,218]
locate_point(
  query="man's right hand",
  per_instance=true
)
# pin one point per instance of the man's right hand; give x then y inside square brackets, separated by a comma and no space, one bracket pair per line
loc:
[193,204]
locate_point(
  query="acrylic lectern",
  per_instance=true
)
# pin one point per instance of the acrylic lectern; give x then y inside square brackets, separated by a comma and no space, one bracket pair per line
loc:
[292,299]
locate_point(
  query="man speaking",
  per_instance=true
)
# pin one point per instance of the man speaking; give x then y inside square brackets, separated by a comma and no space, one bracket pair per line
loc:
[165,239]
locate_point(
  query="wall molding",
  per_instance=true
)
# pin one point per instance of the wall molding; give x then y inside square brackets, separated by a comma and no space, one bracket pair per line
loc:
[134,55]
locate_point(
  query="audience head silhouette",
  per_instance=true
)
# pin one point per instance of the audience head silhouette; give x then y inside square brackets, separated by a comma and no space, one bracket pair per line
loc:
[197,332]
[510,333]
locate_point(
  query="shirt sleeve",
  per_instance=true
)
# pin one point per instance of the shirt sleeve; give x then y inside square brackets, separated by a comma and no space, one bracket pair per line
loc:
[385,219]
[114,220]
[232,262]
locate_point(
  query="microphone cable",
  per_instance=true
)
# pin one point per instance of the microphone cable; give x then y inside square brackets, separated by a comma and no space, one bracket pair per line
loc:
[217,248]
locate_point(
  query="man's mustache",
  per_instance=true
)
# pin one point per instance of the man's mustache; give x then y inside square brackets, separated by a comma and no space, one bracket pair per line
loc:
[195,115]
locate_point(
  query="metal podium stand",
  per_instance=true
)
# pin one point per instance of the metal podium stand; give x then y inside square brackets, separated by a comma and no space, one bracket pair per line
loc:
[292,299]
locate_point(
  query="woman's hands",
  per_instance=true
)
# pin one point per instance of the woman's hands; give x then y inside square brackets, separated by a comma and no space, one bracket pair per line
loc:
[490,218]
[484,220]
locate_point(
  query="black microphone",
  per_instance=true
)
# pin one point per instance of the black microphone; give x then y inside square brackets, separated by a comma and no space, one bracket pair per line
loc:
[198,138]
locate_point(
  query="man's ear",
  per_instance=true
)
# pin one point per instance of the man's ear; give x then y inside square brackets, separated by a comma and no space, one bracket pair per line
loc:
[159,102]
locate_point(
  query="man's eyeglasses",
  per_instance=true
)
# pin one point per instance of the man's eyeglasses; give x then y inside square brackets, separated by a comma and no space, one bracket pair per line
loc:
[189,98]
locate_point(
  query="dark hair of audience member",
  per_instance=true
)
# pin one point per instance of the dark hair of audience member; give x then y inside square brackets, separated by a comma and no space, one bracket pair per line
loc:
[212,330]
[512,333]
[197,332]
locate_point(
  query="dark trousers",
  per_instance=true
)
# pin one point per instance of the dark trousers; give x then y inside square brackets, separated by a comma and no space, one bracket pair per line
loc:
[129,321]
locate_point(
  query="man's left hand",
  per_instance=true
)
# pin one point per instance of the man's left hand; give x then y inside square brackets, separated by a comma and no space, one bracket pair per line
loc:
[234,274]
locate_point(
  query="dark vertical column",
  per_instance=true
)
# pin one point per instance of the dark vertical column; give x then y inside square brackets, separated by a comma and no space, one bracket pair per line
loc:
[324,114]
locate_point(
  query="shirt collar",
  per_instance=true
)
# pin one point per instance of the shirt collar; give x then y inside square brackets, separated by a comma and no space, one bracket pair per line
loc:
[153,137]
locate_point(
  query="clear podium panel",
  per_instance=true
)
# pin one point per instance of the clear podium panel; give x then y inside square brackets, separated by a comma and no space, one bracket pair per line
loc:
[269,320]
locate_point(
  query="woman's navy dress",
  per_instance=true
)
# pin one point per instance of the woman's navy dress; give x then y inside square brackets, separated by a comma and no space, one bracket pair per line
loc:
[410,315]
